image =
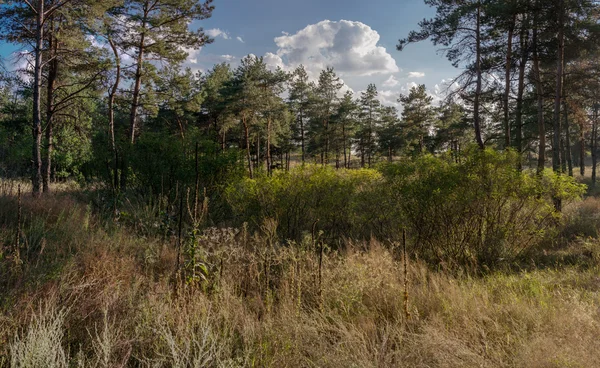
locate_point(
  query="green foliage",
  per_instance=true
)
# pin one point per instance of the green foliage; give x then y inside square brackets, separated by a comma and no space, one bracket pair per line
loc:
[481,211]
[305,197]
[163,161]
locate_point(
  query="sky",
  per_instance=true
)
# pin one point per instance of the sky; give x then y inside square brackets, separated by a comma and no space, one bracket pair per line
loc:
[357,38]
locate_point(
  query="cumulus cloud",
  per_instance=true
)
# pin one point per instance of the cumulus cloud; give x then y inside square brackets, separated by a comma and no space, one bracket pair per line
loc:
[349,47]
[216,32]
[388,97]
[239,39]
[193,54]
[416,75]
[391,82]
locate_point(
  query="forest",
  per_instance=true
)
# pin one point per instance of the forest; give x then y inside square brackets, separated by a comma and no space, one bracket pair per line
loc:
[256,215]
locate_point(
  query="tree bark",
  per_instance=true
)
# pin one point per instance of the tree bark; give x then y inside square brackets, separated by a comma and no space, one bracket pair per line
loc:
[247,138]
[302,133]
[111,110]
[269,145]
[344,145]
[138,77]
[594,143]
[508,68]
[521,89]
[476,117]
[556,165]
[539,92]
[558,91]
[50,87]
[36,179]
[581,150]
[568,153]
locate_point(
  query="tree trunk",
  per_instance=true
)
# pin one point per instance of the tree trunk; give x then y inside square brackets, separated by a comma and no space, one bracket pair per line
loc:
[476,117]
[36,179]
[326,141]
[111,110]
[51,85]
[581,150]
[136,91]
[344,145]
[247,138]
[558,91]
[539,91]
[269,146]
[508,68]
[302,133]
[568,153]
[556,165]
[594,143]
[521,89]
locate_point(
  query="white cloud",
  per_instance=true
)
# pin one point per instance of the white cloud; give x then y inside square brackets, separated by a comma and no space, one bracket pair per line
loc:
[416,75]
[216,32]
[193,54]
[391,82]
[239,39]
[227,57]
[273,61]
[388,97]
[349,47]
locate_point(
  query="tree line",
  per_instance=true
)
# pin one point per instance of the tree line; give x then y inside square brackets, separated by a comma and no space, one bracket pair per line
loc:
[102,76]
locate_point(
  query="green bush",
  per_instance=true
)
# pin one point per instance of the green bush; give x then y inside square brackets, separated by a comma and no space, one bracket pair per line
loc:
[309,195]
[480,211]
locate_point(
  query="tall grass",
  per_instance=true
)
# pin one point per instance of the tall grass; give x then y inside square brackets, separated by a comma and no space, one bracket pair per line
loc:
[102,296]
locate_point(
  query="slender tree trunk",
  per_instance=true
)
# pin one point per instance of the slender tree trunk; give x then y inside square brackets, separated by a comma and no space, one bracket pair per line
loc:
[568,153]
[521,89]
[581,150]
[258,160]
[223,138]
[476,117]
[508,68]
[349,155]
[558,91]
[50,87]
[326,141]
[556,164]
[594,145]
[36,179]
[539,92]
[563,155]
[247,139]
[302,133]
[136,91]
[269,145]
[111,110]
[344,145]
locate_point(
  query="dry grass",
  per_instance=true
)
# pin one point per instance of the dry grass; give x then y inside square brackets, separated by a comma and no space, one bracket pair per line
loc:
[99,296]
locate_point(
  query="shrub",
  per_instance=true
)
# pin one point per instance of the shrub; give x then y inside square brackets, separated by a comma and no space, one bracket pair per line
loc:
[480,211]
[41,345]
[306,196]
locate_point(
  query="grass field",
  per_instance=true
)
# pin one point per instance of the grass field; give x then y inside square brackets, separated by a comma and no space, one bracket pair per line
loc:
[87,292]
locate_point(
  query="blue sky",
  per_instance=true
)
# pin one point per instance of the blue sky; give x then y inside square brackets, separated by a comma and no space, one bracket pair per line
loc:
[315,37]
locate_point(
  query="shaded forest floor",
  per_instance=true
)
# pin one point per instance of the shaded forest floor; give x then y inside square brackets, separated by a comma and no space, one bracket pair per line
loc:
[84,291]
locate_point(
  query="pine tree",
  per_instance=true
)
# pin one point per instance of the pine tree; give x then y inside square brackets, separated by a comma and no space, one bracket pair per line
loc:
[459,27]
[369,123]
[418,117]
[299,100]
[323,104]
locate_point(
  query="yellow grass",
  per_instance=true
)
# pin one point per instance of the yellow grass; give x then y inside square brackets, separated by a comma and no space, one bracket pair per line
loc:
[101,296]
